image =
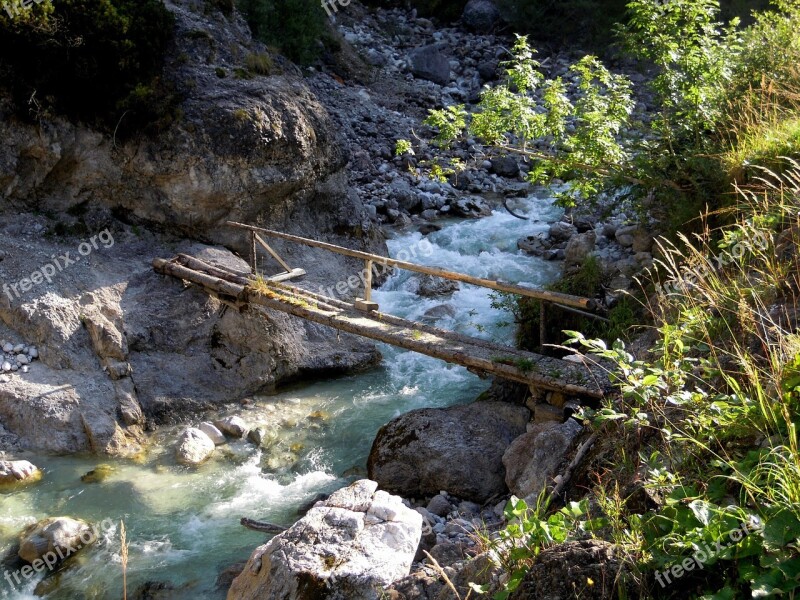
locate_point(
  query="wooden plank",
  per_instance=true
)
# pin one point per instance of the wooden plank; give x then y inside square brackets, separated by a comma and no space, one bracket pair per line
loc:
[293,274]
[209,281]
[544,372]
[272,253]
[555,297]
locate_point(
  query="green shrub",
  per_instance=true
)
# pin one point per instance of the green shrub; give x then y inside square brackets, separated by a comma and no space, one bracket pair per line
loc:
[85,58]
[296,27]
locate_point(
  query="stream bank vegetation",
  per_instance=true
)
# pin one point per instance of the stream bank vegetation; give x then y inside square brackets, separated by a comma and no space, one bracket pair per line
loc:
[697,461]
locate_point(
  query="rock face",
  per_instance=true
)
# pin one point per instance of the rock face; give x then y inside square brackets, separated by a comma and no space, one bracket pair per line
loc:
[458,449]
[53,535]
[349,547]
[194,448]
[534,459]
[563,572]
[18,471]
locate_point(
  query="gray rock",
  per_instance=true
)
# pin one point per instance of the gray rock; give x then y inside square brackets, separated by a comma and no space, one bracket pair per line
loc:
[23,359]
[214,434]
[194,448]
[578,249]
[8,348]
[349,547]
[626,235]
[505,166]
[443,311]
[534,459]
[233,426]
[458,449]
[54,534]
[429,286]
[18,471]
[428,62]
[562,231]
[480,15]
[440,506]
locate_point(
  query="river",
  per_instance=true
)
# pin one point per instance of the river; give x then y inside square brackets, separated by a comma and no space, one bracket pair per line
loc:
[183,526]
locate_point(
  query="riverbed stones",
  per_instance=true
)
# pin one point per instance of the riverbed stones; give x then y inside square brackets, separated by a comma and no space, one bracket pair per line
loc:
[15,472]
[213,432]
[578,249]
[534,459]
[194,448]
[234,427]
[457,449]
[63,536]
[349,547]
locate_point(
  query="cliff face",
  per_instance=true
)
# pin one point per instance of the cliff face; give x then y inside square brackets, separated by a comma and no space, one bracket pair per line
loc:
[118,343]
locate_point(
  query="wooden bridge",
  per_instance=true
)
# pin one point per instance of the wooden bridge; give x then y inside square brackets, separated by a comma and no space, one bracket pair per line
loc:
[364,318]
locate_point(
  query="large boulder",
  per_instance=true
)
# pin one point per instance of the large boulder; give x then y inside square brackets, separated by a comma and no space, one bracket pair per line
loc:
[480,15]
[348,547]
[62,536]
[458,449]
[428,62]
[535,458]
[13,472]
[194,448]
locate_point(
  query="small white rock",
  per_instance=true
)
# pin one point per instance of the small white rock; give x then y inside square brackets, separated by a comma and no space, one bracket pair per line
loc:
[6,366]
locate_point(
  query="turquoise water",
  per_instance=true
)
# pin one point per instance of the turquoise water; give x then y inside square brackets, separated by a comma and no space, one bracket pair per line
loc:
[183,525]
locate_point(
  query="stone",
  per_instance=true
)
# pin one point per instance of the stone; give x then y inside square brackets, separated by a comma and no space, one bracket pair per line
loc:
[22,359]
[439,506]
[13,472]
[562,231]
[534,459]
[214,434]
[458,449]
[578,249]
[480,16]
[194,448]
[626,235]
[6,366]
[505,166]
[428,62]
[429,286]
[54,534]
[33,352]
[642,242]
[349,547]
[8,348]
[234,427]
[443,311]
[99,474]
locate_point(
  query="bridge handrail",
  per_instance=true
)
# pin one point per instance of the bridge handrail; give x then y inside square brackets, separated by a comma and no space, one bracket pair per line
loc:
[553,297]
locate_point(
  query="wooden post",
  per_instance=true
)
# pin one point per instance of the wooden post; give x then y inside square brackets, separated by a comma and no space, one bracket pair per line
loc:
[542,325]
[253,255]
[368,284]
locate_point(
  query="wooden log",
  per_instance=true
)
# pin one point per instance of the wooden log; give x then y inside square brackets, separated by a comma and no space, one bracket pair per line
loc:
[209,281]
[561,377]
[262,526]
[555,297]
[273,254]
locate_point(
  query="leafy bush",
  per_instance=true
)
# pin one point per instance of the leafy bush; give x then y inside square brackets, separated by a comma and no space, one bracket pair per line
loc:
[297,27]
[84,57]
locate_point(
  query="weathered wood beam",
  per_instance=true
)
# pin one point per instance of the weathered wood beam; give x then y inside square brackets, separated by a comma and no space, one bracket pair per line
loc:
[555,297]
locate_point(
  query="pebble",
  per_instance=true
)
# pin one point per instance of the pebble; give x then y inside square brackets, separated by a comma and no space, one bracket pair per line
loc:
[6,366]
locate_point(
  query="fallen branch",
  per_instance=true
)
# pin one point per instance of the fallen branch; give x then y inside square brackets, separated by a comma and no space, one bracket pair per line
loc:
[262,526]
